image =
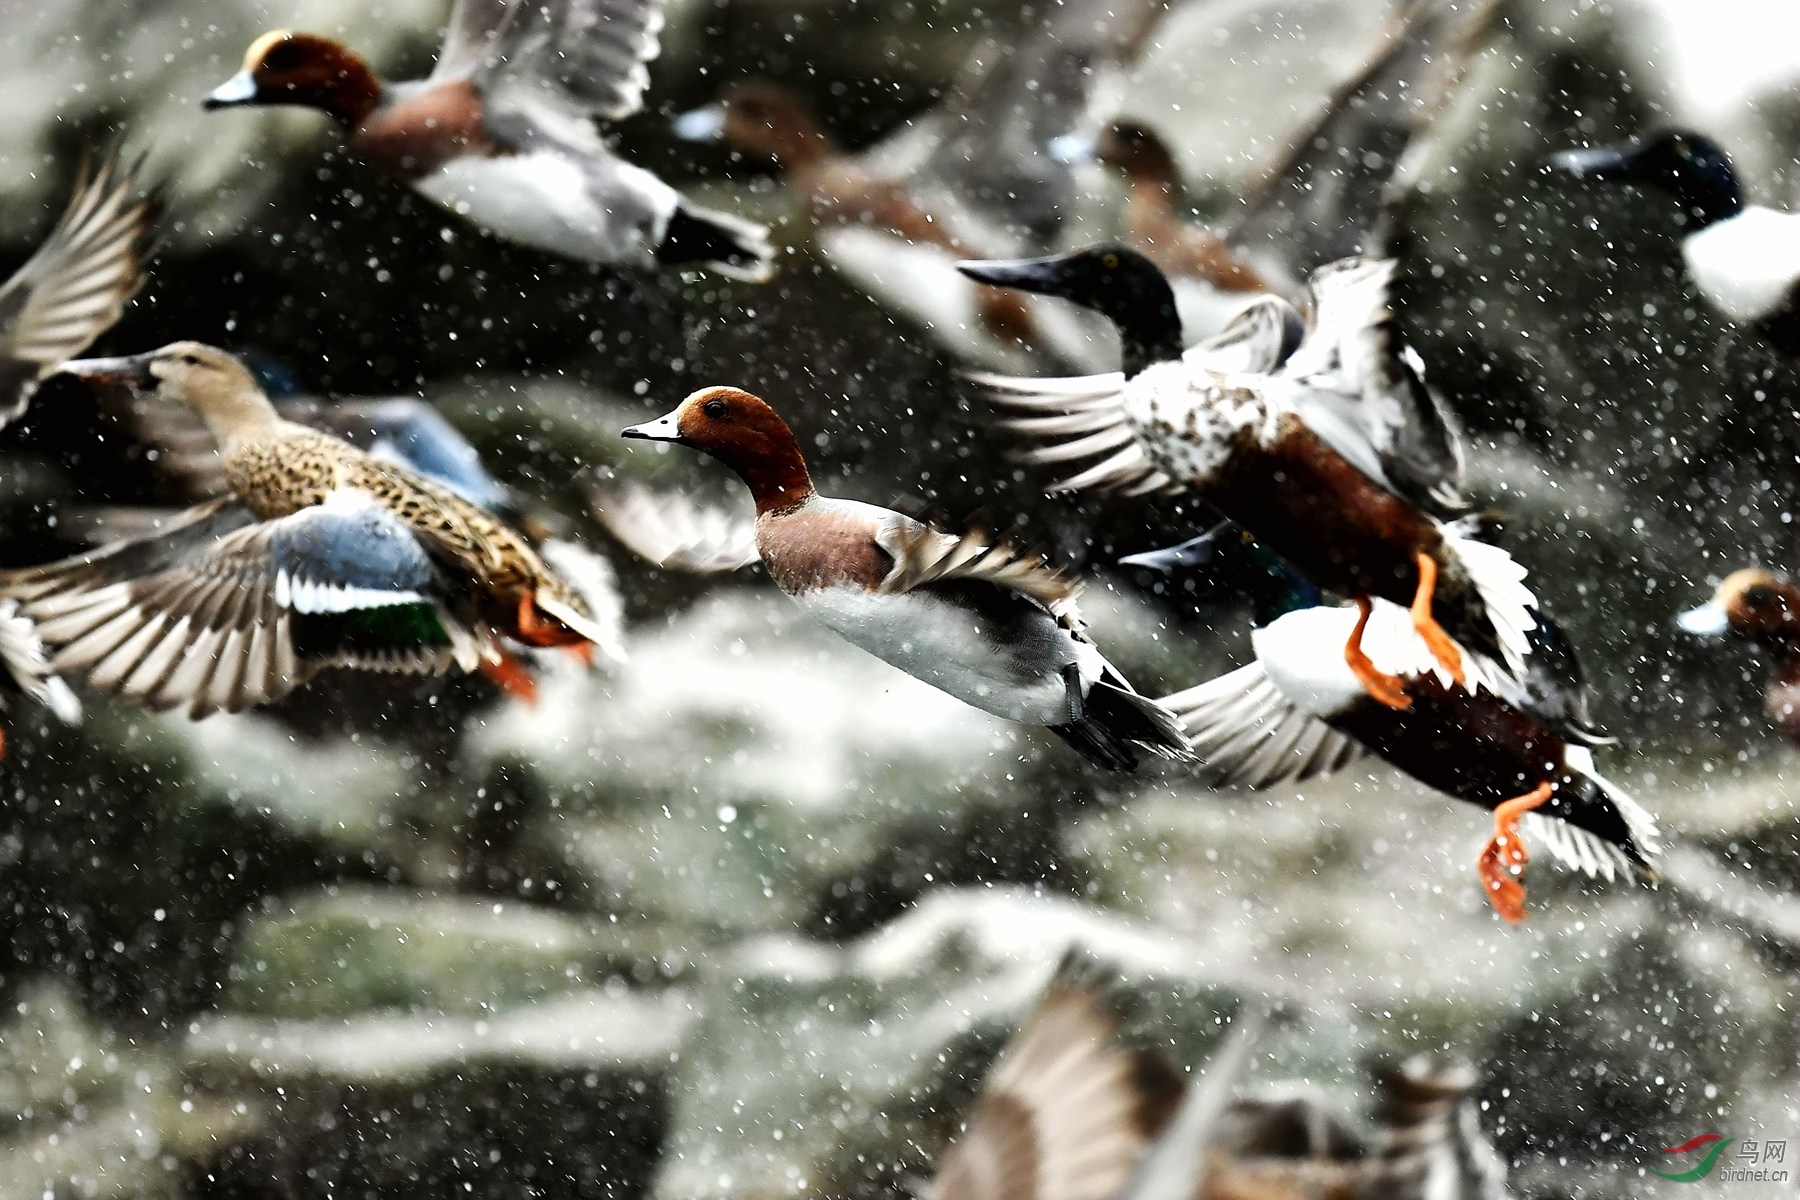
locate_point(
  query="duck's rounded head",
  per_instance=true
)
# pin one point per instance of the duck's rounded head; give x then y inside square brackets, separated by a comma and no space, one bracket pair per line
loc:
[1106,278]
[1688,165]
[743,432]
[194,375]
[1115,281]
[1138,152]
[282,67]
[1756,604]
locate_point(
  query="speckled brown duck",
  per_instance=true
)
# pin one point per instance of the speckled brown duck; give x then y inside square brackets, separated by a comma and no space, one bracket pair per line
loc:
[322,555]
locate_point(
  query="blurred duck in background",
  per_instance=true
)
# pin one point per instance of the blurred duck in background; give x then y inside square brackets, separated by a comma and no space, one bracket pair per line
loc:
[1522,748]
[503,131]
[1325,193]
[1744,259]
[973,177]
[321,555]
[991,625]
[1070,1109]
[1761,607]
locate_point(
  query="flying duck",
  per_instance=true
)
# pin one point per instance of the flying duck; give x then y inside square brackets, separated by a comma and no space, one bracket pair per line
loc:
[1762,607]
[321,556]
[989,624]
[502,131]
[1743,258]
[1520,747]
[1329,448]
[976,176]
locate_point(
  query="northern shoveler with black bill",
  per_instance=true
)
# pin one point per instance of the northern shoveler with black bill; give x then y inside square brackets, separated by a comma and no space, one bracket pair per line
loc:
[991,625]
[1520,747]
[1334,453]
[321,556]
[1743,258]
[502,132]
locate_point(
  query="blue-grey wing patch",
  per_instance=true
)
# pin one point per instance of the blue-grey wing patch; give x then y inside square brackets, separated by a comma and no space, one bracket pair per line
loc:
[344,554]
[223,613]
[415,435]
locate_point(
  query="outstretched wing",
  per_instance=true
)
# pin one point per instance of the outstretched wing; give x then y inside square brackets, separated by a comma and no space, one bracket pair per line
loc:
[586,58]
[223,613]
[76,285]
[925,557]
[1066,1113]
[672,530]
[1365,392]
[1245,733]
[1077,419]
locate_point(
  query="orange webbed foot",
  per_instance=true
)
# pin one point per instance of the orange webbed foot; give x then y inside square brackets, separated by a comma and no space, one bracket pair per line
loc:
[1443,647]
[1385,688]
[1502,862]
[513,677]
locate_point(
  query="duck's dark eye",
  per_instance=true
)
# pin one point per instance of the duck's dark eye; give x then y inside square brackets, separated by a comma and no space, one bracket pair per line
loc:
[1761,595]
[713,408]
[282,56]
[189,360]
[1110,262]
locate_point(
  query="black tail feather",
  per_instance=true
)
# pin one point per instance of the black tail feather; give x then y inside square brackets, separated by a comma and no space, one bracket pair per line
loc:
[727,244]
[1114,720]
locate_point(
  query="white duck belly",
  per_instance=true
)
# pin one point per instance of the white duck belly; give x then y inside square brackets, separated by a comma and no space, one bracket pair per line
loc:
[1012,666]
[611,213]
[1747,266]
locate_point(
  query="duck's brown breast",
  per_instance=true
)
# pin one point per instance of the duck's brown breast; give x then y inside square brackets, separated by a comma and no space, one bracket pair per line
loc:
[418,132]
[816,546]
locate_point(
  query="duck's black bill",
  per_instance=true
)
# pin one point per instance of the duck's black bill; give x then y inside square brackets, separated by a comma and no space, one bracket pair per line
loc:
[1191,555]
[1042,275]
[239,89]
[1604,164]
[128,372]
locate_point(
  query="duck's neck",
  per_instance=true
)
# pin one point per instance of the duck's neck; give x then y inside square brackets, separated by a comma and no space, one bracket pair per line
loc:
[352,94]
[1149,331]
[1710,195]
[238,418]
[778,482]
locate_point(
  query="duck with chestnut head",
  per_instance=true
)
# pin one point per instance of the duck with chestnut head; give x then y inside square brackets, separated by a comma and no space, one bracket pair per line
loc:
[502,132]
[974,616]
[1762,607]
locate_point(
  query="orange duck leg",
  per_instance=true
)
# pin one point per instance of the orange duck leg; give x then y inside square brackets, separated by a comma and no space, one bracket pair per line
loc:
[536,628]
[1379,684]
[512,676]
[1443,647]
[1503,859]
